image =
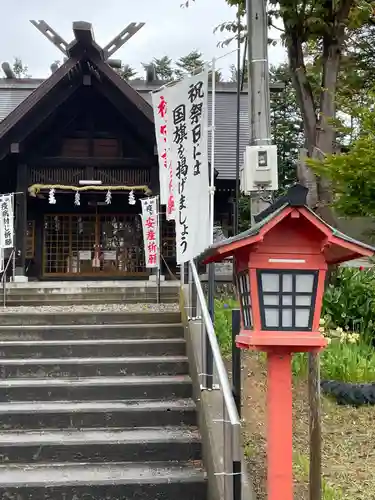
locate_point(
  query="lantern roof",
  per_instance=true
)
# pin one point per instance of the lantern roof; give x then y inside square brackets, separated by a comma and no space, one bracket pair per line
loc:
[337,247]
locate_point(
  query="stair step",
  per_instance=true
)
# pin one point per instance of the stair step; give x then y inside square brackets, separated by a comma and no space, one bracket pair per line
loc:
[67,332]
[96,388]
[105,317]
[156,481]
[96,414]
[91,348]
[84,300]
[92,367]
[101,445]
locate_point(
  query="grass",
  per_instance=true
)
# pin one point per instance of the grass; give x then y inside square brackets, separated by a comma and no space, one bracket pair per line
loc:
[348,454]
[342,362]
[301,465]
[348,434]
[223,323]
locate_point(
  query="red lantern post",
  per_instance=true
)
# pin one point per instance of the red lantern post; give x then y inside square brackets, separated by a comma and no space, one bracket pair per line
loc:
[280,267]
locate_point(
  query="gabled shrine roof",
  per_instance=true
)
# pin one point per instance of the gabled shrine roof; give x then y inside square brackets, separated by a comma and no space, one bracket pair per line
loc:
[85,61]
[296,197]
[14,91]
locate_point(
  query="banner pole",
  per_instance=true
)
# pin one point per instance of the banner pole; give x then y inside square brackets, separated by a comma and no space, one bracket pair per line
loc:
[212,177]
[159,251]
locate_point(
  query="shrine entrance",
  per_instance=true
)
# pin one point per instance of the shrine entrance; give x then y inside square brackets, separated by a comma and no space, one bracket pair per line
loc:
[93,245]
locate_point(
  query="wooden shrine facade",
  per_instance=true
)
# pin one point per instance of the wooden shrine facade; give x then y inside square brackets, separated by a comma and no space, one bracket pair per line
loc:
[82,124]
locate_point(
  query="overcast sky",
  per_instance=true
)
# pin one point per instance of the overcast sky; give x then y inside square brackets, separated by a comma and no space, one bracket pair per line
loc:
[169,30]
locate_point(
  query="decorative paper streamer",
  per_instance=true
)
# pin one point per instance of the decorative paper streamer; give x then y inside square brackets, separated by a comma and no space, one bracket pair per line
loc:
[51,197]
[131,198]
[77,199]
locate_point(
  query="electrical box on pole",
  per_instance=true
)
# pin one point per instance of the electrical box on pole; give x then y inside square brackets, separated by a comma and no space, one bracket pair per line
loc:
[259,172]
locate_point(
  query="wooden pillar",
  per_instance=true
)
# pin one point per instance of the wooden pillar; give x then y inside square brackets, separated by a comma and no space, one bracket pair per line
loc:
[21,219]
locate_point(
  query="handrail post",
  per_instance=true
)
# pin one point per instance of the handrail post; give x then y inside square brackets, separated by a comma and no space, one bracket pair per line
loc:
[236,360]
[211,310]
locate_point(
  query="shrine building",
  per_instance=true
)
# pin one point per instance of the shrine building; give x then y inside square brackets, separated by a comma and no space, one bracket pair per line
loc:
[86,127]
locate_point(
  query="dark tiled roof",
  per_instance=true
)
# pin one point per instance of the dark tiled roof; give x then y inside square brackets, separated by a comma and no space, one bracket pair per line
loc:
[13,92]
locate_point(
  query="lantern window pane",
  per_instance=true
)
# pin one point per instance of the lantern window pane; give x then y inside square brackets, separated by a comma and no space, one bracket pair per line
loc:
[303,300]
[271,300]
[287,282]
[287,299]
[244,296]
[270,282]
[302,318]
[272,317]
[287,318]
[304,283]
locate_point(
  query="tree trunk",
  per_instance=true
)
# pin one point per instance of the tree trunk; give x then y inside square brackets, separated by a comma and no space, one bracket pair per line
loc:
[306,104]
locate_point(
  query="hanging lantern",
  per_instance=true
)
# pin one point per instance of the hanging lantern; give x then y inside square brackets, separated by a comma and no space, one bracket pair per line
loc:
[51,197]
[108,197]
[77,198]
[131,198]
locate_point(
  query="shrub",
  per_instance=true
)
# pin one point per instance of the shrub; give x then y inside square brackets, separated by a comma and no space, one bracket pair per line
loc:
[347,358]
[349,302]
[223,323]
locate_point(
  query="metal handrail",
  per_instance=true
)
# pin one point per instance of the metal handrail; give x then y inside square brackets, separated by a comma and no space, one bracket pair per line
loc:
[4,276]
[221,370]
[232,447]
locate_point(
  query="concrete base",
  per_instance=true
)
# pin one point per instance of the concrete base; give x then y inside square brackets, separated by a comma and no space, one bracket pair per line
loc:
[154,278]
[19,278]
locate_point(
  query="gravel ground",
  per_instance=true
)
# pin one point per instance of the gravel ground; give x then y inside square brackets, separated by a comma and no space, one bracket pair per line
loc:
[93,308]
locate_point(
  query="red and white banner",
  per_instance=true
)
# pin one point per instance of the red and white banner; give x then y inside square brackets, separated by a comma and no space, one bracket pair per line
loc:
[166,181]
[150,225]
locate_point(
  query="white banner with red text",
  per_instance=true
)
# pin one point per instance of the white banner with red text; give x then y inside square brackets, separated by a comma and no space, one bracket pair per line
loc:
[150,225]
[162,132]
[6,221]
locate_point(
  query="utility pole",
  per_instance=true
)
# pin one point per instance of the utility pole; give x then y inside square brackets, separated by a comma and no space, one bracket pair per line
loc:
[259,90]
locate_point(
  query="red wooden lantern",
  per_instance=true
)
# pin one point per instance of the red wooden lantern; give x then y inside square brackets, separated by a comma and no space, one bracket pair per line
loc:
[280,268]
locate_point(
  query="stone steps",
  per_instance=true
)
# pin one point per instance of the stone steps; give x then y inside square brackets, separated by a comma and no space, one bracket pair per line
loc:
[96,388]
[11,349]
[146,481]
[97,414]
[92,295]
[94,366]
[101,445]
[65,317]
[97,404]
[82,331]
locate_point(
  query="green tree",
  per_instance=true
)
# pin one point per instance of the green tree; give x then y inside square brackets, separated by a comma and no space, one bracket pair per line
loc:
[20,69]
[163,68]
[353,173]
[127,72]
[326,27]
[189,64]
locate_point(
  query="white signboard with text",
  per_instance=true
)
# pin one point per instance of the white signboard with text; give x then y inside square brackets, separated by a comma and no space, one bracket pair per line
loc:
[187,115]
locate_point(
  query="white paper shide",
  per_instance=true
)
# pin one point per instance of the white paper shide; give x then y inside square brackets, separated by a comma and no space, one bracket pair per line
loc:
[187,116]
[150,225]
[6,221]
